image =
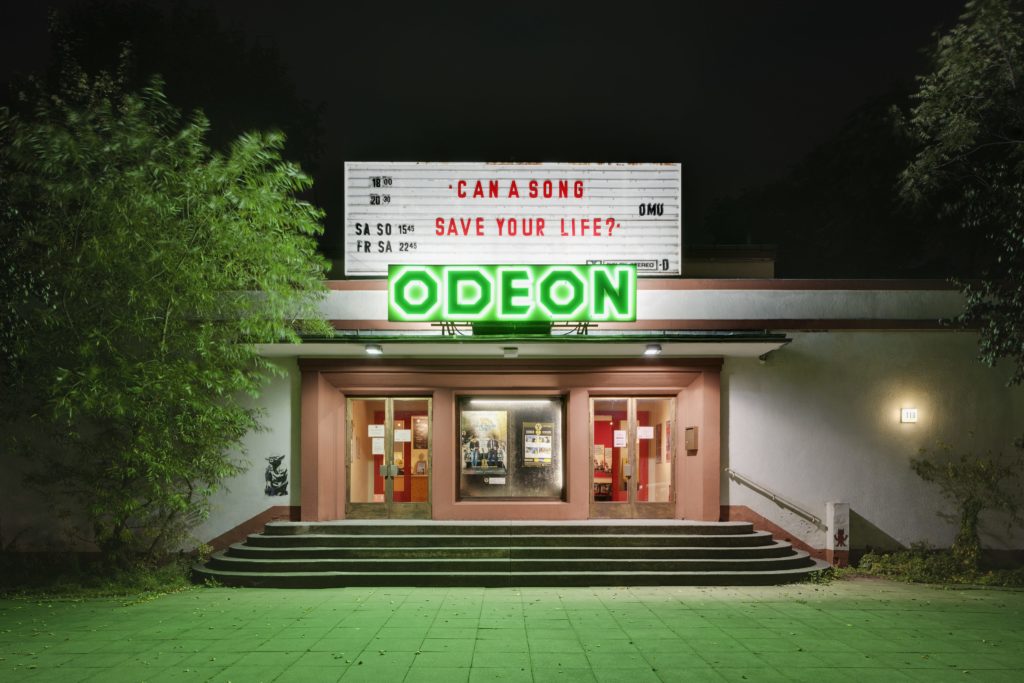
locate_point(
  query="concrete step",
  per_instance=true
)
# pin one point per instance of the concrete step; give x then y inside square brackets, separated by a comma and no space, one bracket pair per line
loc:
[776,549]
[427,553]
[496,579]
[584,527]
[247,564]
[756,538]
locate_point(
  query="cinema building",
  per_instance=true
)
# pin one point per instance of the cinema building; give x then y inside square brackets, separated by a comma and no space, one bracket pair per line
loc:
[588,405]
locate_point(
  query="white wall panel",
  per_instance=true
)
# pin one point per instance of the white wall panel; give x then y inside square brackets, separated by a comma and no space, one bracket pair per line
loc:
[819,422]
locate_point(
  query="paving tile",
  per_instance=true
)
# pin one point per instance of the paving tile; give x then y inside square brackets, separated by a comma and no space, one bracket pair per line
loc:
[250,674]
[436,675]
[760,674]
[501,660]
[395,644]
[617,660]
[174,674]
[558,660]
[633,676]
[456,659]
[452,632]
[447,645]
[309,674]
[127,674]
[567,645]
[490,675]
[688,675]
[499,646]
[559,675]
[374,674]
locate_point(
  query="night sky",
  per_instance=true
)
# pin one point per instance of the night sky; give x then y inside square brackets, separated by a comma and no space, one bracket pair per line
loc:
[737,92]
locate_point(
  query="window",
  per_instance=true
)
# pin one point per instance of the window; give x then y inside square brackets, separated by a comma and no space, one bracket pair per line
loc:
[510,448]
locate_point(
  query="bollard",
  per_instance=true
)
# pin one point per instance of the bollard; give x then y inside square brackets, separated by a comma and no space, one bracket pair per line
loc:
[837,542]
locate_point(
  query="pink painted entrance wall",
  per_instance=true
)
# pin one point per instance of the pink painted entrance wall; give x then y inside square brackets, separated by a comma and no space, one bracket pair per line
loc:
[326,384]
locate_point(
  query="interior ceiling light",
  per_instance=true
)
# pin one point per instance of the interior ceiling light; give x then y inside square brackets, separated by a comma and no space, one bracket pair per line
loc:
[374,349]
[652,350]
[510,352]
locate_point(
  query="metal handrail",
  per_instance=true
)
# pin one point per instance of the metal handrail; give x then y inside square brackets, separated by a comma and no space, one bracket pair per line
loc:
[776,498]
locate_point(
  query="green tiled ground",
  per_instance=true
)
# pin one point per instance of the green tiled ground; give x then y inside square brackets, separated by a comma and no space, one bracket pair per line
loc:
[848,631]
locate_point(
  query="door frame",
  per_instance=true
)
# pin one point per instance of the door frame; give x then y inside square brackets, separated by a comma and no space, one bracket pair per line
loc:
[388,509]
[632,508]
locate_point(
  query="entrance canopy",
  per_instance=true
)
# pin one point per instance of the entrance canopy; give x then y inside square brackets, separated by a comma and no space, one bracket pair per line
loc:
[612,344]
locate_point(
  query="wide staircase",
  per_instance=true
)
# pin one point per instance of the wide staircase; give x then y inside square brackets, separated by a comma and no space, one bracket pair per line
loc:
[428,553]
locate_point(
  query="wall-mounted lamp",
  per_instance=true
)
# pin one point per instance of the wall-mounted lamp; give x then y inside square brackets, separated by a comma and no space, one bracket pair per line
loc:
[374,349]
[908,414]
[510,352]
[652,350]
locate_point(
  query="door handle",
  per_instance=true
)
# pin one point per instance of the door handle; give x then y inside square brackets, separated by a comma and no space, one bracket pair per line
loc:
[627,470]
[389,471]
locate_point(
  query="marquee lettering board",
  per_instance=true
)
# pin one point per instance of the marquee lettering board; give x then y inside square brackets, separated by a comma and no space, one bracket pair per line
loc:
[405,213]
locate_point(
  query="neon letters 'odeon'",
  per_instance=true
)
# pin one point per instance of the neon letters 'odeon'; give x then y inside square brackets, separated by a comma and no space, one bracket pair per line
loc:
[558,293]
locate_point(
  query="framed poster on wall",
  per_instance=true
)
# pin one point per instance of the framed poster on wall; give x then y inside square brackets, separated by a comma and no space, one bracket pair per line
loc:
[484,442]
[537,438]
[420,432]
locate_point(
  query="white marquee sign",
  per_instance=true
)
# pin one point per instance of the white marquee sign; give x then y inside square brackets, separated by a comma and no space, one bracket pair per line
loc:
[482,213]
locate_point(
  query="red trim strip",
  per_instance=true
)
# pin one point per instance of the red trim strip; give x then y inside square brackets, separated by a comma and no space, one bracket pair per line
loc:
[721,284]
[722,325]
[741,513]
[255,525]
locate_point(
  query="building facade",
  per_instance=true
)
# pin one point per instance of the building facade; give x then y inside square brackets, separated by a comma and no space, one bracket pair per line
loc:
[766,400]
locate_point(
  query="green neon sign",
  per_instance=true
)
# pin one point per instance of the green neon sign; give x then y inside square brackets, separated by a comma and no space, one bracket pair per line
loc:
[562,293]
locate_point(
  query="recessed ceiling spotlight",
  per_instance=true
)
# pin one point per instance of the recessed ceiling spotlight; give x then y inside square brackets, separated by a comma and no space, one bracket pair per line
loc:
[374,349]
[652,350]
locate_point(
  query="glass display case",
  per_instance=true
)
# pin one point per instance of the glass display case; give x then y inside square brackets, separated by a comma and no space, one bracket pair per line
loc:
[511,448]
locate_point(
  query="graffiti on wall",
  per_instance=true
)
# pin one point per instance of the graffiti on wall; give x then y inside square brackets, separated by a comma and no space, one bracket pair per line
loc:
[276,476]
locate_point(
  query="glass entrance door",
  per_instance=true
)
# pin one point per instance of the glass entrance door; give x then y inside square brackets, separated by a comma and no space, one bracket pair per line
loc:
[632,456]
[388,464]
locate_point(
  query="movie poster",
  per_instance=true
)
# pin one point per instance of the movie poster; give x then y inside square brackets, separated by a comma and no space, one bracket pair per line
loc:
[537,443]
[484,442]
[420,432]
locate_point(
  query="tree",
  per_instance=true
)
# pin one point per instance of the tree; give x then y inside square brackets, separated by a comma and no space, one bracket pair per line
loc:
[137,270]
[968,123]
[973,485]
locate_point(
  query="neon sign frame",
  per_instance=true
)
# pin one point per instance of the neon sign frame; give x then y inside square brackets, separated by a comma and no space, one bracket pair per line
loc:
[512,293]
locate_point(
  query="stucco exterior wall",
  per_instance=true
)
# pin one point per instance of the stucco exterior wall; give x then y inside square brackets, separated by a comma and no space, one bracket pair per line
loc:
[243,497]
[818,421]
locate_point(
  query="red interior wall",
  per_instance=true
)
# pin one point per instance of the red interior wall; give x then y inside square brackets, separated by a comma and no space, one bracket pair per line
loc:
[604,435]
[643,419]
[378,460]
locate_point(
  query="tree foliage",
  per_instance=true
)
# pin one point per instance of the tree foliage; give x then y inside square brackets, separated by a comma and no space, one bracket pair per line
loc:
[968,123]
[137,270]
[973,485]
